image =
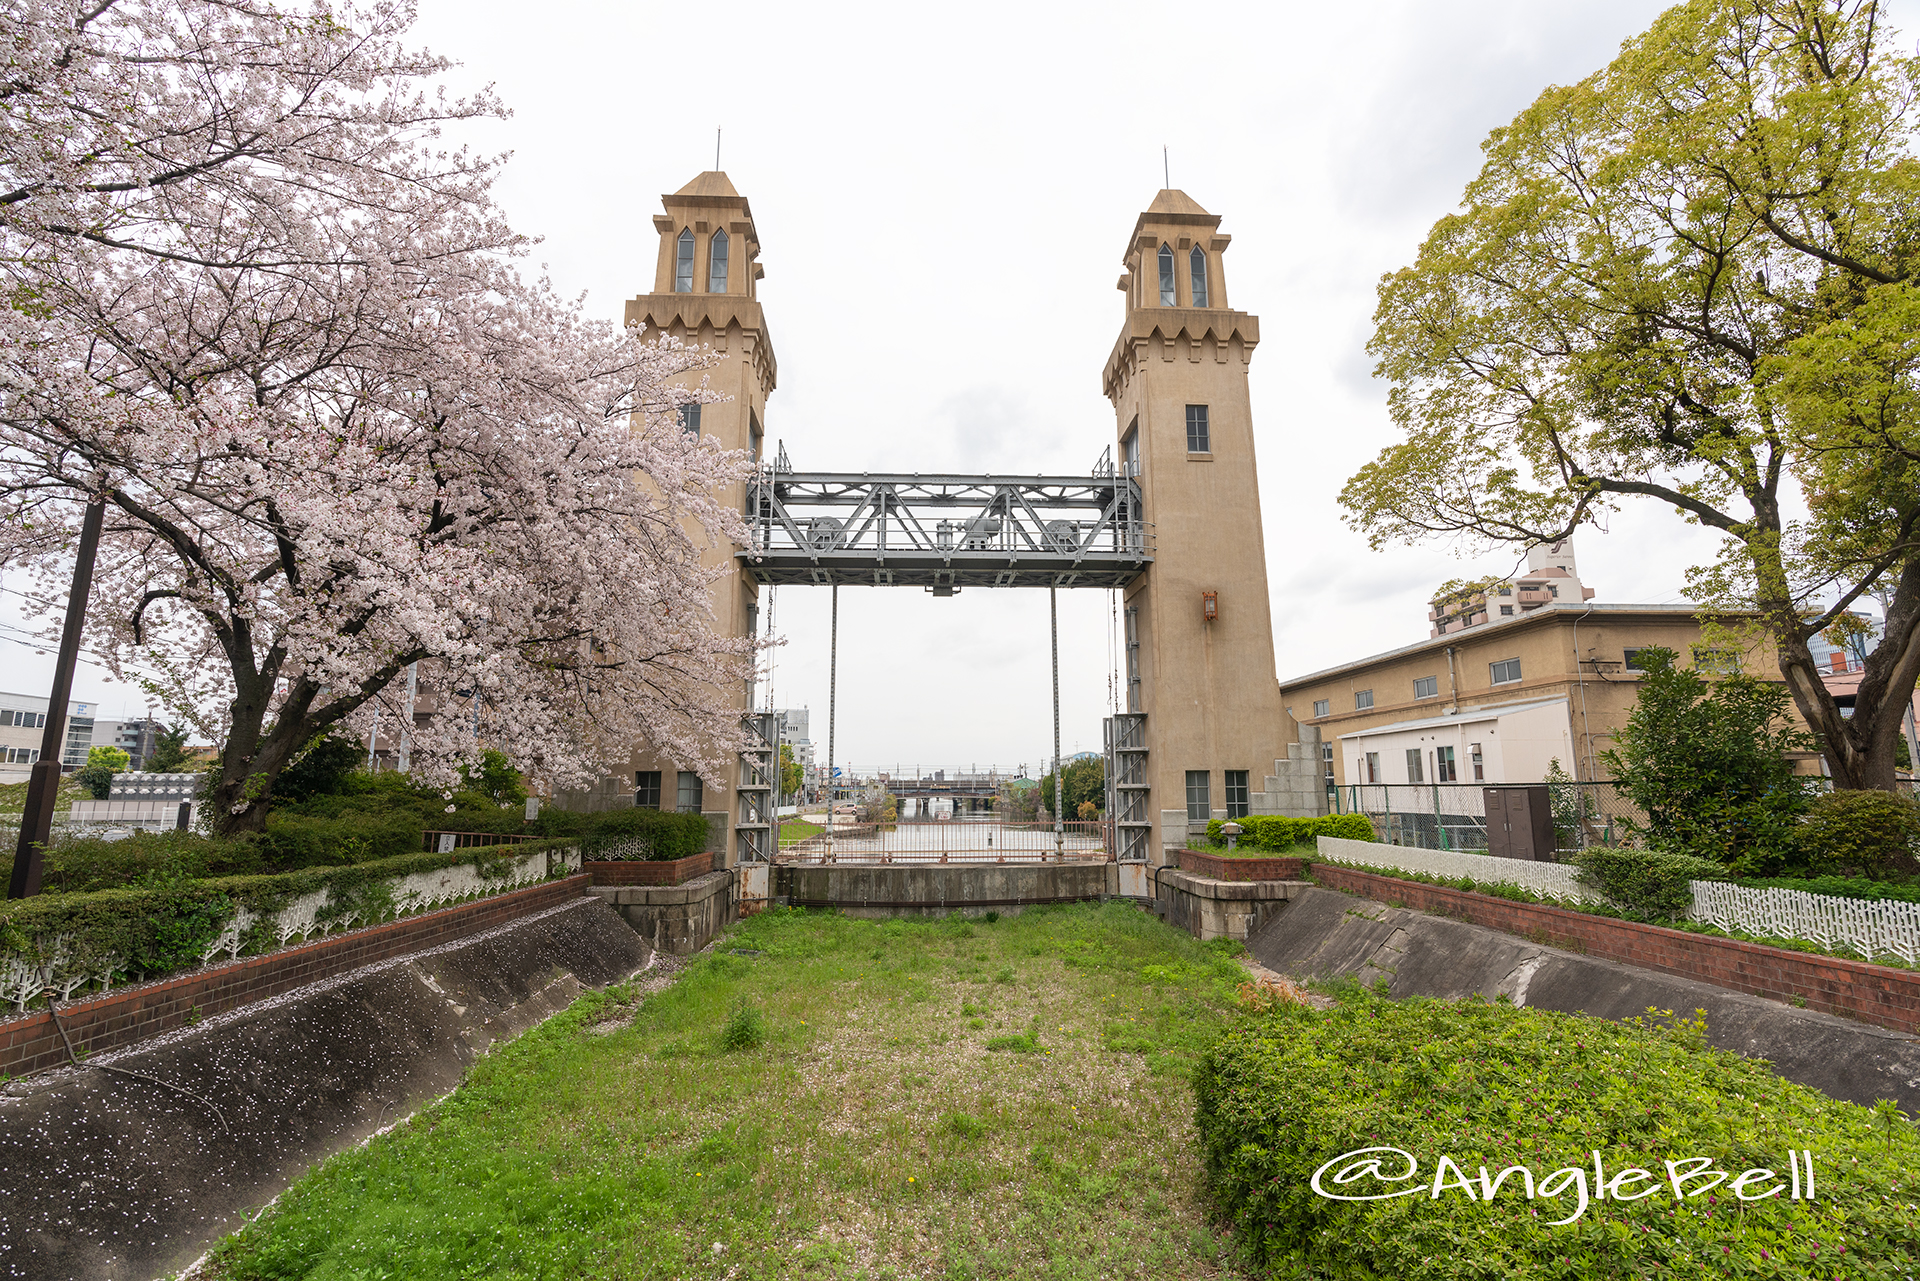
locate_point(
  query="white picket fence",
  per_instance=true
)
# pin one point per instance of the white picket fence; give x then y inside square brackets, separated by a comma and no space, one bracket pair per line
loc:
[1872,928]
[63,968]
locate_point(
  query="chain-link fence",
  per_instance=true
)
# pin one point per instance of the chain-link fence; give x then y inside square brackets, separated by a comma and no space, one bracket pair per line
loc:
[1453,816]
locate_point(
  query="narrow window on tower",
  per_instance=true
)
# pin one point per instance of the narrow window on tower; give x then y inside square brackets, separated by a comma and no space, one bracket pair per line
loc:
[1198,439]
[683,262]
[1130,447]
[1166,277]
[1199,260]
[690,419]
[717,263]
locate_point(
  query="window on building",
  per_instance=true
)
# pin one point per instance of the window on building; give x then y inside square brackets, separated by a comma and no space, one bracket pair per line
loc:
[1478,762]
[689,792]
[1321,706]
[1373,767]
[717,263]
[690,419]
[1506,591]
[1199,796]
[1236,793]
[1506,671]
[1444,767]
[646,790]
[1130,447]
[1199,441]
[1427,687]
[1553,591]
[1326,761]
[1631,659]
[1506,611]
[1414,772]
[26,720]
[1166,276]
[1198,261]
[1712,658]
[1362,700]
[756,436]
[22,755]
[683,262]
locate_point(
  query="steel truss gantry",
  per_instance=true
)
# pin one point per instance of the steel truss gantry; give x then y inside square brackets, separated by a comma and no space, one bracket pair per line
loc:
[945,532]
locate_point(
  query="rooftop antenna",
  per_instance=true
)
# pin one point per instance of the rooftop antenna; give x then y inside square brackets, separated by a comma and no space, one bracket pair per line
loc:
[1166,168]
[716,150]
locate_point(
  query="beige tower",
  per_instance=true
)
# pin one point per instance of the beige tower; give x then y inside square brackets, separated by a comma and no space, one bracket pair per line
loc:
[1198,629]
[703,293]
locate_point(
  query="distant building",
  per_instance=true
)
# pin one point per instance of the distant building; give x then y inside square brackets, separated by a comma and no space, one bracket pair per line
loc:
[1551,578]
[1498,702]
[1842,666]
[23,719]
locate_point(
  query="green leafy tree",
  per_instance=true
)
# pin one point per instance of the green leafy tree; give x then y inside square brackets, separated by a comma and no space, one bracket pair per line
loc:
[97,774]
[1689,278]
[496,779]
[791,775]
[322,770]
[1086,781]
[169,750]
[1707,762]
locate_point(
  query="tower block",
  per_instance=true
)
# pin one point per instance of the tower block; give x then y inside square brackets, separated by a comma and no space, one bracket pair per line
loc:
[703,293]
[1198,630]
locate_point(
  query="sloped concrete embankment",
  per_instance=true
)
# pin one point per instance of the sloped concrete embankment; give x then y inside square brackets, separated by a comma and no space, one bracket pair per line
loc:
[104,1175]
[1324,934]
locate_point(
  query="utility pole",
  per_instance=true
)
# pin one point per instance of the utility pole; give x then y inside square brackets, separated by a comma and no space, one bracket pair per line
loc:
[1059,783]
[43,786]
[833,704]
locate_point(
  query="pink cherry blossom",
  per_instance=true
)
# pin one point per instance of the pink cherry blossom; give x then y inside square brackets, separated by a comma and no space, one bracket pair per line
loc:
[253,300]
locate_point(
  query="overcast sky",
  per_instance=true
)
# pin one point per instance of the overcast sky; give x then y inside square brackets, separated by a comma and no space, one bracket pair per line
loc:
[943,195]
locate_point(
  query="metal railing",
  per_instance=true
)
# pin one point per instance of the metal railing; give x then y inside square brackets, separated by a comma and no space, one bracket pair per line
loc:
[447,842]
[953,842]
[1453,816]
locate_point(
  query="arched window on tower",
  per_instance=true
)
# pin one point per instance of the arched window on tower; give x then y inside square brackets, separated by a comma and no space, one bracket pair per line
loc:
[1166,277]
[1199,260]
[683,262]
[717,263]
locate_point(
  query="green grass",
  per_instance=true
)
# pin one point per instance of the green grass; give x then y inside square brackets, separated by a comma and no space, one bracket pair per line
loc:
[794,830]
[862,1128]
[13,796]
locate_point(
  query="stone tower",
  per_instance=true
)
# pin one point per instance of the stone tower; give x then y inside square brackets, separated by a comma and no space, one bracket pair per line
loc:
[1199,632]
[703,293]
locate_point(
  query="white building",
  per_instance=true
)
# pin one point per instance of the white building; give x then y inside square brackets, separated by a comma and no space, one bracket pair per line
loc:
[23,719]
[1502,743]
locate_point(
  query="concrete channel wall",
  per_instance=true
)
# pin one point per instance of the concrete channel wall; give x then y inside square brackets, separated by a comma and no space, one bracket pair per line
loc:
[933,889]
[108,1175]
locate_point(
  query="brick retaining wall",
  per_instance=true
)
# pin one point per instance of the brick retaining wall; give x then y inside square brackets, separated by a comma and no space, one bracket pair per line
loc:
[1876,994]
[30,1041]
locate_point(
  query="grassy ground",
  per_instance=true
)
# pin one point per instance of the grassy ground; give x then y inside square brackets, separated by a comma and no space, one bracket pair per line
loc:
[13,796]
[861,1100]
[795,830]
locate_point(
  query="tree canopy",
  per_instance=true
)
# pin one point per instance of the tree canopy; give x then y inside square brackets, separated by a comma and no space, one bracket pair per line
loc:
[1689,278]
[258,310]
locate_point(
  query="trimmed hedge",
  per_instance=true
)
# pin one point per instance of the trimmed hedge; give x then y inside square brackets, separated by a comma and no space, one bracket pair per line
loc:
[1851,833]
[1495,1085]
[167,921]
[1839,887]
[1278,832]
[1649,885]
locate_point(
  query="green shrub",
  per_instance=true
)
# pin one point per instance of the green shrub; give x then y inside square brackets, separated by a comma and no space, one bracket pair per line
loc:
[97,779]
[1278,832]
[1497,1085]
[82,863]
[168,917]
[322,769]
[1854,833]
[639,834]
[1840,887]
[1650,885]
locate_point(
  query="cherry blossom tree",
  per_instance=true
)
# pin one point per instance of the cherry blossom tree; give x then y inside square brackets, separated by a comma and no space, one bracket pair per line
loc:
[258,308]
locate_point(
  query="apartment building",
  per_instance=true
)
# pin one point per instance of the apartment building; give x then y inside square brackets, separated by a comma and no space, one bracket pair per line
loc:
[1552,577]
[1500,701]
[23,721]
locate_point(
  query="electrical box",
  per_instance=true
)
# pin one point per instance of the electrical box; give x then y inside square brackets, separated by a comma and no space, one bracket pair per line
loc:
[1520,822]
